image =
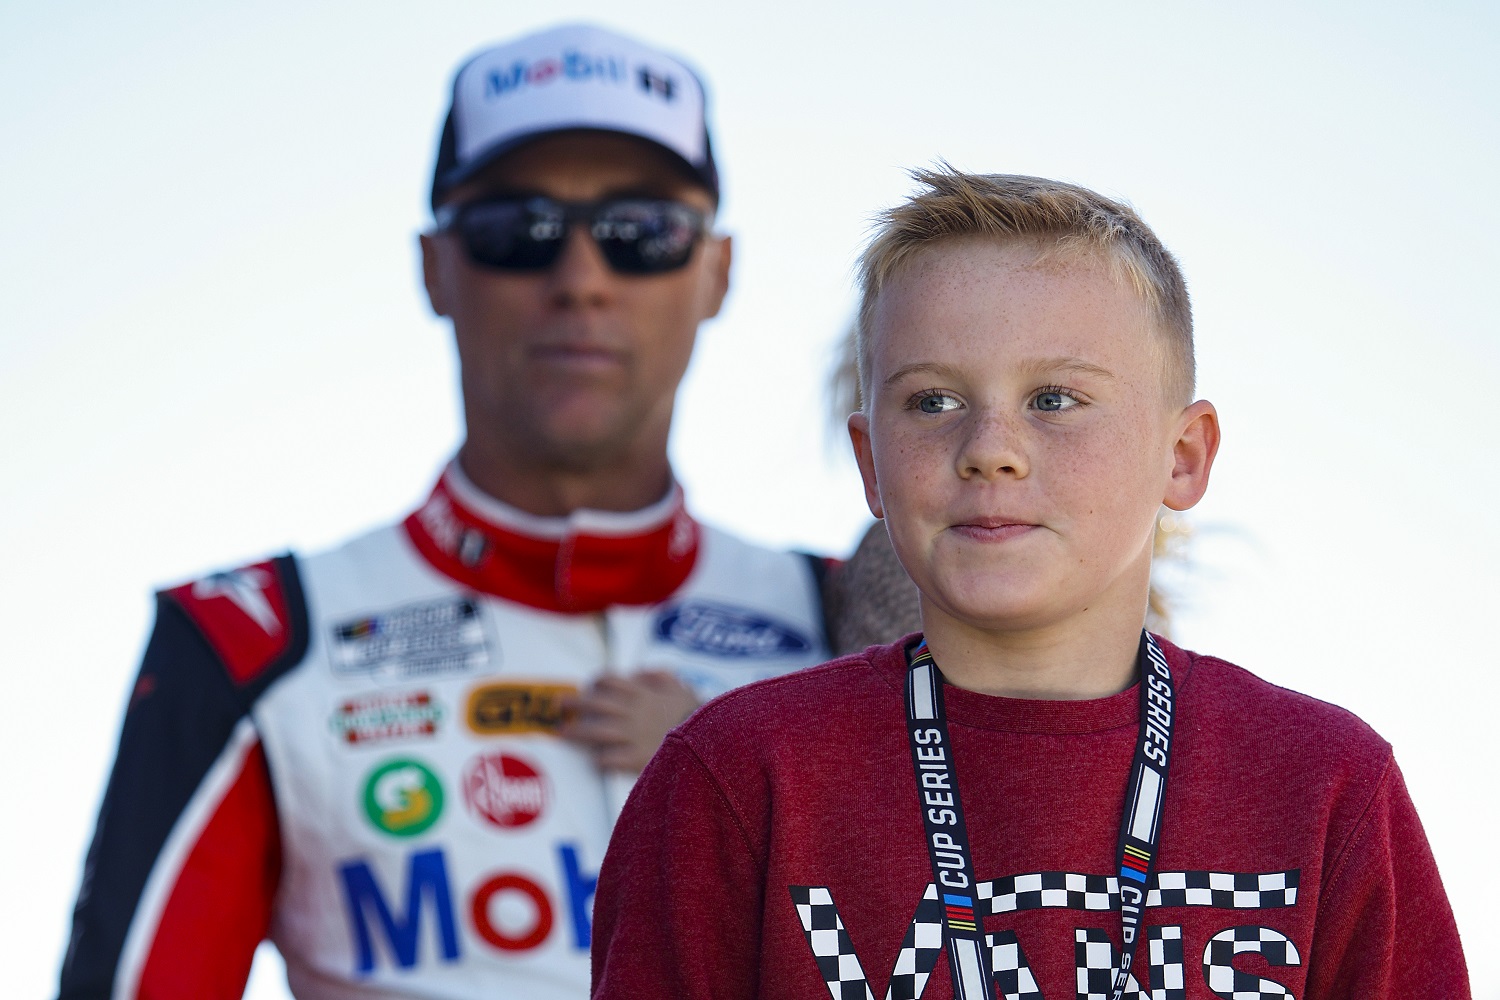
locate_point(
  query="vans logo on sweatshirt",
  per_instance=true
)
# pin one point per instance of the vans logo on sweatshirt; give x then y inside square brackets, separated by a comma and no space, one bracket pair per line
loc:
[1095,957]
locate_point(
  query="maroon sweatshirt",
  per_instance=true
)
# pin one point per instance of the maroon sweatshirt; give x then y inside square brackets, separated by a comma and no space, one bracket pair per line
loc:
[774,848]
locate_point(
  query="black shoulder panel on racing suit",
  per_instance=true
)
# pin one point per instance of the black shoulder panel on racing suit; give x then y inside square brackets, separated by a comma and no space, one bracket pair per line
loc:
[183,708]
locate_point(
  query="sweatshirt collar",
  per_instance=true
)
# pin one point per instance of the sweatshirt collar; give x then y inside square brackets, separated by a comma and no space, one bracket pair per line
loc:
[1031,715]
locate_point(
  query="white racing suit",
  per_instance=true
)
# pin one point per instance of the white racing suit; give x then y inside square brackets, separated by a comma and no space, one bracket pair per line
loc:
[356,753]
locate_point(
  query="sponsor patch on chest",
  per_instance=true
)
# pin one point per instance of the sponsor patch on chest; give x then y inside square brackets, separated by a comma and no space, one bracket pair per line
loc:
[512,708]
[728,631]
[403,797]
[505,790]
[374,718]
[433,639]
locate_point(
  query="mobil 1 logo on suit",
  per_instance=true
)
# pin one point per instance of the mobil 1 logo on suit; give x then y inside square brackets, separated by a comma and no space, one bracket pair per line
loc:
[410,916]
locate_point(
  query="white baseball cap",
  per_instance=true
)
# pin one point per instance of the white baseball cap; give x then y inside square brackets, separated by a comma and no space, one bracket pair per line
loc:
[576,76]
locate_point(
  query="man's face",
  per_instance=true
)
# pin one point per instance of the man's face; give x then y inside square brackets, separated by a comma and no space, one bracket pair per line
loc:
[1018,442]
[575,367]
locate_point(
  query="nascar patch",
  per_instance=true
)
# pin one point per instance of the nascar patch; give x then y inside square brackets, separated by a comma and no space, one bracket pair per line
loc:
[419,641]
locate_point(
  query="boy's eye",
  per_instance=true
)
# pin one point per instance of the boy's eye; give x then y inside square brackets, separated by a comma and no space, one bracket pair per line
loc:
[1053,399]
[936,402]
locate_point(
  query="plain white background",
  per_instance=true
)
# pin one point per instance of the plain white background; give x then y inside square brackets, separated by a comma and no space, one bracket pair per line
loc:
[213,344]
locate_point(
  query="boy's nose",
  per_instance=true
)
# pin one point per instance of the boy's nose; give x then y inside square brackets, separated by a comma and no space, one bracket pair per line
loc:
[992,450]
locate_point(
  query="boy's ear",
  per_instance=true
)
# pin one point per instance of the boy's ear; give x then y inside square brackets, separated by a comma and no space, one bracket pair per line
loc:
[1193,455]
[864,456]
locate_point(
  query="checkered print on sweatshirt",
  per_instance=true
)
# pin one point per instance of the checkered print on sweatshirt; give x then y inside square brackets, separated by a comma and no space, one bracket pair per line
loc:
[1074,891]
[1230,983]
[1225,890]
[1097,963]
[846,980]
[830,943]
[834,952]
[1013,978]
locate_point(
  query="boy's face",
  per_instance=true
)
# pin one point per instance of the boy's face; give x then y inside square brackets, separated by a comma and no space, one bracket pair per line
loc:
[1019,441]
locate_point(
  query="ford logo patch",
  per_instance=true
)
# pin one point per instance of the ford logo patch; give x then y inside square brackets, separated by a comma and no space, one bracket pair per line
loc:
[721,630]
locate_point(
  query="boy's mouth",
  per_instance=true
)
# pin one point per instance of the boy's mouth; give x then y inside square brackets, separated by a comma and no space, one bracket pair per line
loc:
[992,529]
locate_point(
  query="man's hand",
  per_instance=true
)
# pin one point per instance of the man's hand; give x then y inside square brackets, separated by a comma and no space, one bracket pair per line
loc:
[622,720]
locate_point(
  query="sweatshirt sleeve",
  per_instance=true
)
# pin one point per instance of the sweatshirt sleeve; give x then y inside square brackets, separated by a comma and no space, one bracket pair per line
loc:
[1384,929]
[681,891]
[180,877]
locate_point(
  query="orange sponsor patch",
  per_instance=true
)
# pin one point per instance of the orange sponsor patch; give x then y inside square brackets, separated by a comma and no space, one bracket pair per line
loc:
[518,707]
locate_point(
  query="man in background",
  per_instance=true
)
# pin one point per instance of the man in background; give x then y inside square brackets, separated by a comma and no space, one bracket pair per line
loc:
[401,760]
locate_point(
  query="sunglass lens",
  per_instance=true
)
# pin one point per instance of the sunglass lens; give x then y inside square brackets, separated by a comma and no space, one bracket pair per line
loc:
[516,235]
[646,237]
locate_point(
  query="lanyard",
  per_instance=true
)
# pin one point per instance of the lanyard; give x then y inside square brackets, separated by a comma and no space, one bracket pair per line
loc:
[948,840]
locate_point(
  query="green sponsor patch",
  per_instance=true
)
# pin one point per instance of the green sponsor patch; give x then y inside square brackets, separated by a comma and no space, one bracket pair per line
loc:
[403,797]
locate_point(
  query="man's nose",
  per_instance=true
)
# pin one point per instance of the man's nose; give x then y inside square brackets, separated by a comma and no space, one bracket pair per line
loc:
[580,276]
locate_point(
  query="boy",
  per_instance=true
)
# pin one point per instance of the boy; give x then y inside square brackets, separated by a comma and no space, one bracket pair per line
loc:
[1039,800]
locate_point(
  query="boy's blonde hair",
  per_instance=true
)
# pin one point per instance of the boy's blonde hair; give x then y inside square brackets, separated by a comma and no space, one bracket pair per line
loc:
[1064,219]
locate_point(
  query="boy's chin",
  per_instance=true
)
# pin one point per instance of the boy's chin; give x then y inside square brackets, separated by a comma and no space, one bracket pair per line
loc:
[997,609]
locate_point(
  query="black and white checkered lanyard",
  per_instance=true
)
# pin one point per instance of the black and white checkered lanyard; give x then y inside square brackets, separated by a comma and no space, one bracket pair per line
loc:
[948,838]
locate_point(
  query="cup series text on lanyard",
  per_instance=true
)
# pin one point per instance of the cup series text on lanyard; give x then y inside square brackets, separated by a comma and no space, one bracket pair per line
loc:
[947,837]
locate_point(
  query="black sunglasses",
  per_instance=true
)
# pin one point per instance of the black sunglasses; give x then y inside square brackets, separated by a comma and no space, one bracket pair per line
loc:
[636,235]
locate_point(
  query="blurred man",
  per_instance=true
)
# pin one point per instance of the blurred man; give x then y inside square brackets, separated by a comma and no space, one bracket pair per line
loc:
[401,760]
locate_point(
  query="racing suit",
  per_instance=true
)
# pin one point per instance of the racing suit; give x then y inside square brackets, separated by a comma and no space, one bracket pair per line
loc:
[357,754]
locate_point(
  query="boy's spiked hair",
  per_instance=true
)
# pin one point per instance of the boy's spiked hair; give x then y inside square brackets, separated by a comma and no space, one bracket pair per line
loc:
[1065,220]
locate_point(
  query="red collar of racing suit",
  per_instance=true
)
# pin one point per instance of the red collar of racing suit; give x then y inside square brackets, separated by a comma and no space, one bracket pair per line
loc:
[579,563]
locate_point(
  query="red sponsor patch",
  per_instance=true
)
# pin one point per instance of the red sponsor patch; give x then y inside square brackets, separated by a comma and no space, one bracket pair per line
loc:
[376,718]
[505,790]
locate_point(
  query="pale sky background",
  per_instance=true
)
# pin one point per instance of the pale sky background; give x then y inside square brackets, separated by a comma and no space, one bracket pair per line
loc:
[214,346]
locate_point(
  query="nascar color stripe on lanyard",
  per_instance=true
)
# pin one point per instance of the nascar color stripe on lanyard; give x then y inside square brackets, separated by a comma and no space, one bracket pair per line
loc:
[948,839]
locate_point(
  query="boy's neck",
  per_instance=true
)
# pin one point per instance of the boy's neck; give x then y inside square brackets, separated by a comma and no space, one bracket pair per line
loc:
[1072,661]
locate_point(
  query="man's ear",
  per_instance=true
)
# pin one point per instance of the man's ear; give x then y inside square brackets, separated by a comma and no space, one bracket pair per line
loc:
[723,249]
[864,456]
[432,273]
[1193,455]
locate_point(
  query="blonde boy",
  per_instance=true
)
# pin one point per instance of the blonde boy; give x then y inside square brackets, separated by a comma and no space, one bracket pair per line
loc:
[1033,799]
